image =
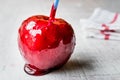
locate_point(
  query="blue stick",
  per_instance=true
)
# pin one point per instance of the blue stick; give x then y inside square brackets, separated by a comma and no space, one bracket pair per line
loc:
[56,4]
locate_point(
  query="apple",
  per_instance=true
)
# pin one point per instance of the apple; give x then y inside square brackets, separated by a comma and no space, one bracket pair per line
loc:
[45,45]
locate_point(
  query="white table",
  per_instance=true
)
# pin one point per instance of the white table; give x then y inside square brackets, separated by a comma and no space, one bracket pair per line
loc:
[92,59]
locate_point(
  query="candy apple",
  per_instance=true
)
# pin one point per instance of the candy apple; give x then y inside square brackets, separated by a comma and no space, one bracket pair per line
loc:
[45,45]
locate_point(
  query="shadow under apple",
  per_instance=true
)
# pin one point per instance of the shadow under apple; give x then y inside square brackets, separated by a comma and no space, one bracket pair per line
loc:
[76,64]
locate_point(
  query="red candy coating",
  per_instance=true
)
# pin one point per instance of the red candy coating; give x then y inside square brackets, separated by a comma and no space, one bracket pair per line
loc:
[45,45]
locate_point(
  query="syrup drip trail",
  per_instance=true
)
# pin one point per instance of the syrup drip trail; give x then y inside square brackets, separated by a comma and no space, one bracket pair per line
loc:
[53,10]
[107,36]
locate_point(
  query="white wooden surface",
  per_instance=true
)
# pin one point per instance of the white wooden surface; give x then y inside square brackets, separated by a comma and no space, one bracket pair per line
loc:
[92,59]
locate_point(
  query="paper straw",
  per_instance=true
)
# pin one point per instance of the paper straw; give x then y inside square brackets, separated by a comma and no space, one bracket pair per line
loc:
[56,4]
[53,10]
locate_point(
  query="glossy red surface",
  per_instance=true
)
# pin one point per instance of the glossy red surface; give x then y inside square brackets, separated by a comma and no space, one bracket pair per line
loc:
[45,45]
